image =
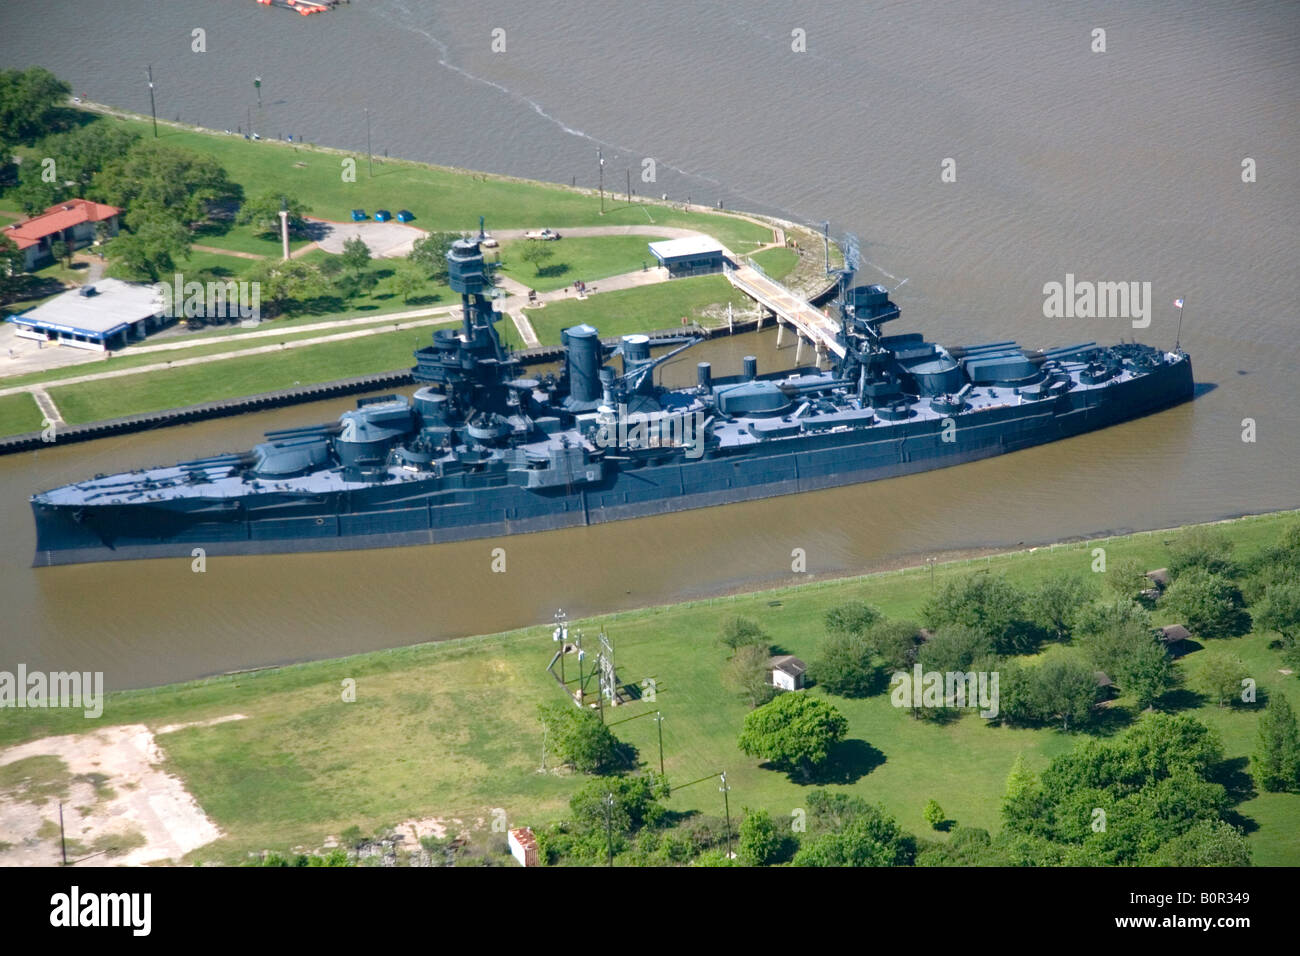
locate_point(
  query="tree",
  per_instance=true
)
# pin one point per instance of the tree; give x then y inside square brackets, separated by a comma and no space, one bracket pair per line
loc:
[635,806]
[578,737]
[537,253]
[739,631]
[29,101]
[61,252]
[1124,580]
[406,282]
[1219,677]
[746,673]
[1056,603]
[152,247]
[853,617]
[954,647]
[34,192]
[1130,653]
[987,604]
[793,732]
[1023,801]
[1207,843]
[12,277]
[1279,610]
[153,174]
[1275,765]
[356,254]
[851,832]
[82,152]
[285,282]
[933,814]
[1206,549]
[262,212]
[1209,604]
[759,842]
[1103,616]
[1119,801]
[845,666]
[894,643]
[430,254]
[1066,689]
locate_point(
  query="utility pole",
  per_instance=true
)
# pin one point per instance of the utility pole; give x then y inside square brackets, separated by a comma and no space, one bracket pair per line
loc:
[153,110]
[600,159]
[726,802]
[370,159]
[629,186]
[826,239]
[257,85]
[62,840]
[659,719]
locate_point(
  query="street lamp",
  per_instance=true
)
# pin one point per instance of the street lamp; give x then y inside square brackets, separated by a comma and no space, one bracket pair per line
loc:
[257,85]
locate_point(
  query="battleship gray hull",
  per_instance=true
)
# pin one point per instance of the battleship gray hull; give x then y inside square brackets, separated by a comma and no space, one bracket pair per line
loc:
[420,513]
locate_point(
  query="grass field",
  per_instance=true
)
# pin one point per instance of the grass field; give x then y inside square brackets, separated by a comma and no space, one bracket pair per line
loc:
[231,378]
[639,310]
[450,730]
[777,263]
[19,414]
[441,198]
[585,258]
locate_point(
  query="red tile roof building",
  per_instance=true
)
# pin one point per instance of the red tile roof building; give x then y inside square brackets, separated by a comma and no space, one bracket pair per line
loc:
[72,222]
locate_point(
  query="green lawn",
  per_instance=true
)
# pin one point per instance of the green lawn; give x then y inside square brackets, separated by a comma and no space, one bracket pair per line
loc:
[230,378]
[643,309]
[440,197]
[777,263]
[19,414]
[585,258]
[450,729]
[243,239]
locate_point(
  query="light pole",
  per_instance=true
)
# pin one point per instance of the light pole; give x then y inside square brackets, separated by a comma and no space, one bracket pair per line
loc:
[370,159]
[153,111]
[931,561]
[257,85]
[726,802]
[659,719]
[600,160]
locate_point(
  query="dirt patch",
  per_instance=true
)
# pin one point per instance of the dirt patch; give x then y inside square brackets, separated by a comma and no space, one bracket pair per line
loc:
[118,804]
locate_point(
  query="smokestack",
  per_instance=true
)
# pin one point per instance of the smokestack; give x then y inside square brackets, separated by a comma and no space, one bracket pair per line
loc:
[751,368]
[704,376]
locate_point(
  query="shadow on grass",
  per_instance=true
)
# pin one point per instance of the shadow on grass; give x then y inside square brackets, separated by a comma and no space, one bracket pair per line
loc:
[553,271]
[848,762]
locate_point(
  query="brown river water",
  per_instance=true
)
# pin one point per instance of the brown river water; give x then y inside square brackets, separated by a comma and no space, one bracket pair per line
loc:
[1115,166]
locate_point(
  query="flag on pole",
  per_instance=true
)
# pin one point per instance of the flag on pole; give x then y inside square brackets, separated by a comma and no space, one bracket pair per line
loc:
[1178,302]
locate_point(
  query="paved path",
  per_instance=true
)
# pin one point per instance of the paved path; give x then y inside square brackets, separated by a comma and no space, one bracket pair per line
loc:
[47,406]
[240,353]
[229,252]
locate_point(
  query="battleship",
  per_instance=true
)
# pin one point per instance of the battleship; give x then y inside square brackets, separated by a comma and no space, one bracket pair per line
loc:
[481,450]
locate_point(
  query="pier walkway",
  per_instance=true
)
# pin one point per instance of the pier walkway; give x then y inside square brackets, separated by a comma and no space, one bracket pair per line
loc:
[804,317]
